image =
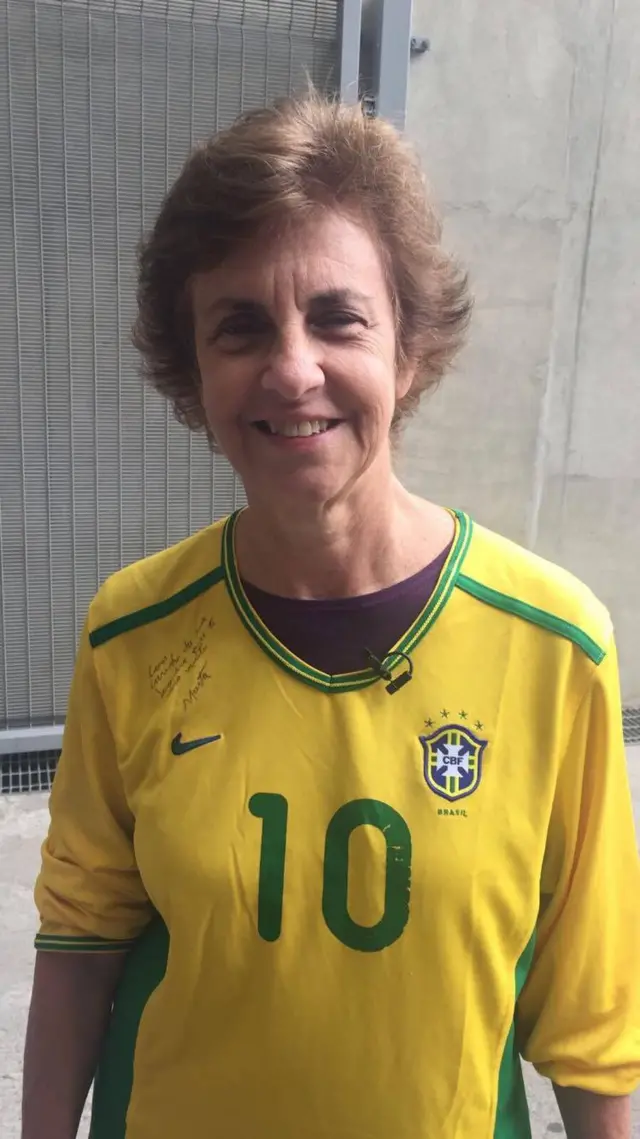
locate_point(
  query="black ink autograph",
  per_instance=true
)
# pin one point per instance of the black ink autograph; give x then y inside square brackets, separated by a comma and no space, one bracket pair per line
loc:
[186,664]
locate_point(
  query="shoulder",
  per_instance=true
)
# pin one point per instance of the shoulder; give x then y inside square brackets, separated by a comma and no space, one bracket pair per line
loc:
[157,585]
[503,575]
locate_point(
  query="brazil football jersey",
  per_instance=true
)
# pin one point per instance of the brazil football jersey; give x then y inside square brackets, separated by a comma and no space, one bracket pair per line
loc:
[348,910]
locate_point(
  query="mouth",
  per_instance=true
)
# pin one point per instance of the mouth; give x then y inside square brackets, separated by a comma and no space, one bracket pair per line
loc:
[304,429]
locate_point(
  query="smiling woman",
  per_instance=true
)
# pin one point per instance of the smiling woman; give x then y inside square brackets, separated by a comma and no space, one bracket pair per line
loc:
[265,909]
[299,381]
[277,170]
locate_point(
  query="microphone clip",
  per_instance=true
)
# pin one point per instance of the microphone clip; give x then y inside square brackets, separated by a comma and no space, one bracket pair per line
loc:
[383,669]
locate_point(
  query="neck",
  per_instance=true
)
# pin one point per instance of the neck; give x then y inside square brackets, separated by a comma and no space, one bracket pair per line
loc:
[343,550]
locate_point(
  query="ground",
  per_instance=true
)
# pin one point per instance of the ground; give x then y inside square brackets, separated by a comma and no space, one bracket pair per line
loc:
[23,822]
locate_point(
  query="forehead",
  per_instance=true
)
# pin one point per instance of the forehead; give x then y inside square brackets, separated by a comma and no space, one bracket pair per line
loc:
[327,251]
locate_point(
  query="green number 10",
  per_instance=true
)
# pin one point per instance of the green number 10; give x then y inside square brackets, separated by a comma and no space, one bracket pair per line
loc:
[273,810]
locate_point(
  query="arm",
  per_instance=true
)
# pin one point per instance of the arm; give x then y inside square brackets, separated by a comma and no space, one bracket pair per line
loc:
[70,1008]
[589,1116]
[92,905]
[579,1010]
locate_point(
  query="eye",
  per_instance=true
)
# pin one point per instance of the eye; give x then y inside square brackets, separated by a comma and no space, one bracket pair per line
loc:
[240,326]
[338,320]
[239,331]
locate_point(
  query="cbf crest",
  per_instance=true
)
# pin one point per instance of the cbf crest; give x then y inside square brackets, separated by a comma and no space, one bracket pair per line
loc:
[453,761]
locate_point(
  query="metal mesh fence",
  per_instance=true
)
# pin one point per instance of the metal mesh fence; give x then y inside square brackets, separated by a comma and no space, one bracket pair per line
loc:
[32,772]
[100,101]
[631,720]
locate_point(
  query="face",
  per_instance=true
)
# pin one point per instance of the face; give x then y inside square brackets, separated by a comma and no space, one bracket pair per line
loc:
[296,348]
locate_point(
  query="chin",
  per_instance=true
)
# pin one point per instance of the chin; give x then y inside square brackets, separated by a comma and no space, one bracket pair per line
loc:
[310,488]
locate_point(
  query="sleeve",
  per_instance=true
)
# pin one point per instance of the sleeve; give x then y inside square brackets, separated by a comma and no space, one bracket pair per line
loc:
[579,1011]
[89,893]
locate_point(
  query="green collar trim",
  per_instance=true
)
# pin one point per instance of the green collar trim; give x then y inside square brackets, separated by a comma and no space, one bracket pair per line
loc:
[346,681]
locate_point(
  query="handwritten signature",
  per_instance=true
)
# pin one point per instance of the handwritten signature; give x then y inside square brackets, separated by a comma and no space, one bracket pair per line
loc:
[185,665]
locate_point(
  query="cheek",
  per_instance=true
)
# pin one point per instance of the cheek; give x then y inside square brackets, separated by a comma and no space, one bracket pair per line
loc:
[210,398]
[379,389]
[221,389]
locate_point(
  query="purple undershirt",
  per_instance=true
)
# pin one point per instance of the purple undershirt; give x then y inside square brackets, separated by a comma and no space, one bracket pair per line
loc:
[334,635]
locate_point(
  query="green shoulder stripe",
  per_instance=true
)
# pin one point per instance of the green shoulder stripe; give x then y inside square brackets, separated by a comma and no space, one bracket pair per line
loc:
[535,616]
[155,612]
[62,943]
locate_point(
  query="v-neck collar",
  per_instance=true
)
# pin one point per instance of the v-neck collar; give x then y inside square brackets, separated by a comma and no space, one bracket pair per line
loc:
[345,681]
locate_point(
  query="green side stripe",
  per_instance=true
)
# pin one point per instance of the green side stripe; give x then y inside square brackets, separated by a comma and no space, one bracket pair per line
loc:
[349,681]
[143,972]
[512,1113]
[56,942]
[535,616]
[155,612]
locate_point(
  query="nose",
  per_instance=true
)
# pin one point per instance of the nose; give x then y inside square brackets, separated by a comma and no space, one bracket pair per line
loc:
[292,369]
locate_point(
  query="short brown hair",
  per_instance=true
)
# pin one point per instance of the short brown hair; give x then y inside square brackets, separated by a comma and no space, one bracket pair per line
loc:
[274,165]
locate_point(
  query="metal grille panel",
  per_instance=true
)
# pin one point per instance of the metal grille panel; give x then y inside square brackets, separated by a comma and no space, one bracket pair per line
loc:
[99,105]
[631,720]
[23,773]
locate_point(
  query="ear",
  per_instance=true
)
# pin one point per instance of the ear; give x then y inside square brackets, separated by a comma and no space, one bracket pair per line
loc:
[405,375]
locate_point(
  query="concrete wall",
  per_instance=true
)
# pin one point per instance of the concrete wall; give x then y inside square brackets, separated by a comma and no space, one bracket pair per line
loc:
[527,115]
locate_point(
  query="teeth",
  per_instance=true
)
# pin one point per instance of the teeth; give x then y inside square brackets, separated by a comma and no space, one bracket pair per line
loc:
[304,429]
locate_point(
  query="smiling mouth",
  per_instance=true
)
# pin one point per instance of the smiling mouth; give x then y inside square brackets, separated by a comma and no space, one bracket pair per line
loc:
[305,429]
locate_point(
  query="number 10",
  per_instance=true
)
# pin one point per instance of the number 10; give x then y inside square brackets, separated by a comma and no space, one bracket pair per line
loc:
[274,810]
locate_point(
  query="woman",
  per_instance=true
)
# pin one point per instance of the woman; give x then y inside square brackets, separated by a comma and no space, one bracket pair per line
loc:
[342,815]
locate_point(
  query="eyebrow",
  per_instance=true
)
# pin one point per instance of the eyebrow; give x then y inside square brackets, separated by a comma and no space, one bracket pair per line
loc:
[327,299]
[338,297]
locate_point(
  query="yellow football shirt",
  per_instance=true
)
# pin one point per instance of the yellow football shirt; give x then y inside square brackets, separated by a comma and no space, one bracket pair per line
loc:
[349,911]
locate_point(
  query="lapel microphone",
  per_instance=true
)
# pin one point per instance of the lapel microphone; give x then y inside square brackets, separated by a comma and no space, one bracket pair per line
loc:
[383,669]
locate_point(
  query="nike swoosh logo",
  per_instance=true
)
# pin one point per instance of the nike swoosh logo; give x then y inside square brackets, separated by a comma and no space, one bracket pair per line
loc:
[181,747]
